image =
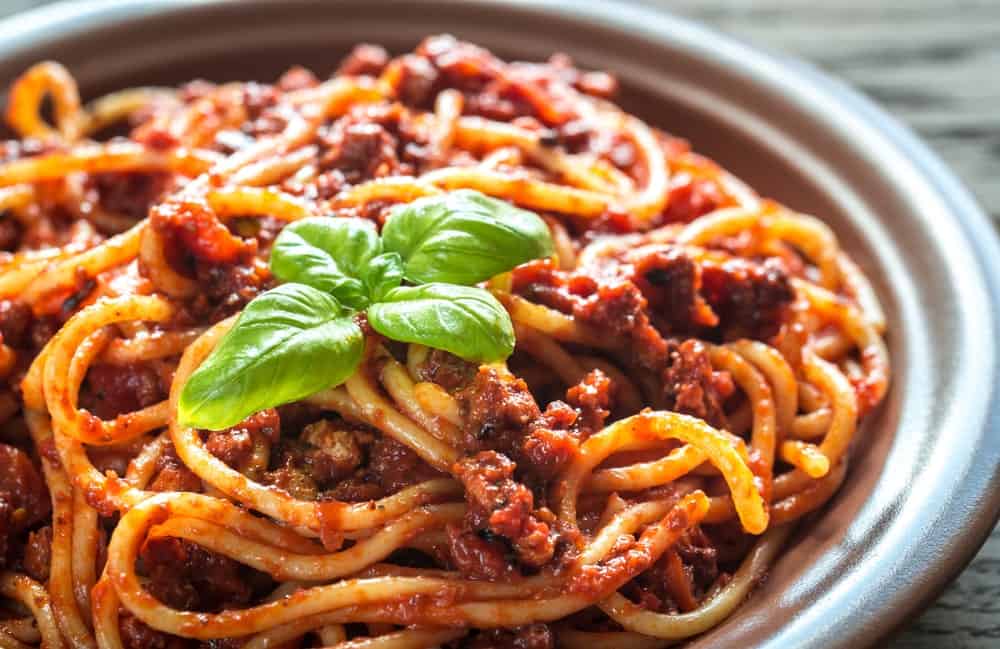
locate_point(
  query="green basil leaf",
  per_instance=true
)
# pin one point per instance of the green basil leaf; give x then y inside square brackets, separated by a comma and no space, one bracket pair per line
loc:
[288,343]
[328,253]
[466,321]
[382,274]
[463,237]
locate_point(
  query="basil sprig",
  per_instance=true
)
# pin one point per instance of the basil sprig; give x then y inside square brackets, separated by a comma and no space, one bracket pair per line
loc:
[303,336]
[464,237]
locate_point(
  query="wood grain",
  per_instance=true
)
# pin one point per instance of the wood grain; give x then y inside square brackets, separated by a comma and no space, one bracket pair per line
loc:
[936,66]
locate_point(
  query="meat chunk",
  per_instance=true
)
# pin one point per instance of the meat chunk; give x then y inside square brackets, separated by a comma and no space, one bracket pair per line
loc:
[498,409]
[364,59]
[235,445]
[503,507]
[24,499]
[615,307]
[185,576]
[691,197]
[532,636]
[129,193]
[671,282]
[610,302]
[324,454]
[447,370]
[552,441]
[227,288]
[592,397]
[38,554]
[172,474]
[701,556]
[337,454]
[10,234]
[136,634]
[297,78]
[118,389]
[192,232]
[476,555]
[15,323]
[360,151]
[396,466]
[692,387]
[751,299]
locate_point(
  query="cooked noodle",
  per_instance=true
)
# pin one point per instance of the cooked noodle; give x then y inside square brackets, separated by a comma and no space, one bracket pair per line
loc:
[690,371]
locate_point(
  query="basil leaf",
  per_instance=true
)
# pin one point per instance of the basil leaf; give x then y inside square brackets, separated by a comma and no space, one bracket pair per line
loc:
[288,343]
[382,274]
[463,237]
[468,322]
[328,253]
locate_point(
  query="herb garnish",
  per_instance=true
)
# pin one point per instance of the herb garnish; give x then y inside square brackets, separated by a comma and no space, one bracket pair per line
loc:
[415,283]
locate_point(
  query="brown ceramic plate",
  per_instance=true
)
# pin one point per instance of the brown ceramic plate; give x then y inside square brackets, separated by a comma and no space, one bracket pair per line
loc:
[922,494]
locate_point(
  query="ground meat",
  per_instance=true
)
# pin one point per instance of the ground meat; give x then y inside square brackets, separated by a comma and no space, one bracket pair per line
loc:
[614,308]
[185,576]
[297,78]
[574,136]
[15,323]
[357,489]
[396,466]
[700,558]
[671,281]
[24,500]
[612,304]
[554,438]
[415,80]
[364,59]
[592,397]
[191,232]
[235,445]
[550,444]
[10,234]
[38,554]
[136,635]
[360,151]
[690,385]
[292,475]
[172,474]
[318,461]
[532,636]
[198,246]
[751,299]
[491,88]
[476,555]
[113,390]
[337,452]
[447,370]
[498,409]
[232,445]
[7,543]
[503,507]
[130,193]
[690,198]
[228,288]
[42,330]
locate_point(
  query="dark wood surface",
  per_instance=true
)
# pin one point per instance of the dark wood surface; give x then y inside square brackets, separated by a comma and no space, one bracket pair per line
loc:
[935,64]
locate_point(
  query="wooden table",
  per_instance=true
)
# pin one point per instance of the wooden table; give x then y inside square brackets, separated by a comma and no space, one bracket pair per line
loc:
[936,66]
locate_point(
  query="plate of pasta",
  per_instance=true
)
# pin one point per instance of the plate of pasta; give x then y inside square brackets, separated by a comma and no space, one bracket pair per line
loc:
[501,325]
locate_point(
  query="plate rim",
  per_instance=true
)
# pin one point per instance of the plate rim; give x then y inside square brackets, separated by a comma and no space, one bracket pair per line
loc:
[756,64]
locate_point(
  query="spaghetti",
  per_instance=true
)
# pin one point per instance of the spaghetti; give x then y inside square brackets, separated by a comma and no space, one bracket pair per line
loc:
[689,373]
